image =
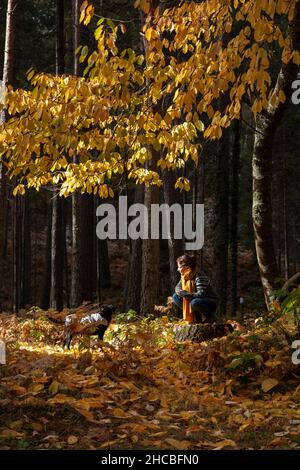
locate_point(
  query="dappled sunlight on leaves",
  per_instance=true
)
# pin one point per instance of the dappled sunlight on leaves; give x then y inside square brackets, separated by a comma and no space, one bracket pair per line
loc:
[141,389]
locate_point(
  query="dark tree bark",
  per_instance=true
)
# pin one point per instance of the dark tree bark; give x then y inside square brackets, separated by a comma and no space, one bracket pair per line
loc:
[57,242]
[60,38]
[285,219]
[8,65]
[87,235]
[200,196]
[16,253]
[266,124]
[5,229]
[26,252]
[234,212]
[21,255]
[45,301]
[34,254]
[7,78]
[76,33]
[57,252]
[83,259]
[132,291]
[150,255]
[76,295]
[76,271]
[65,206]
[220,225]
[279,225]
[172,196]
[102,266]
[151,251]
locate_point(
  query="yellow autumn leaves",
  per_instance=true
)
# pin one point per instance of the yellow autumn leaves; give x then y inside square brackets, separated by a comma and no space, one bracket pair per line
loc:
[129,105]
[146,393]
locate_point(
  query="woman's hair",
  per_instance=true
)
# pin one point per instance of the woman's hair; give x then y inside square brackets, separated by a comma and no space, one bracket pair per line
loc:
[187,260]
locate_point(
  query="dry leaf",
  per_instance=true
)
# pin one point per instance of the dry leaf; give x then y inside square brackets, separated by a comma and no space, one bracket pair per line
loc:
[268,384]
[187,415]
[150,444]
[278,441]
[10,434]
[225,443]
[281,433]
[16,425]
[37,427]
[53,389]
[272,363]
[158,434]
[178,445]
[107,444]
[50,437]
[119,413]
[36,388]
[19,390]
[194,428]
[72,440]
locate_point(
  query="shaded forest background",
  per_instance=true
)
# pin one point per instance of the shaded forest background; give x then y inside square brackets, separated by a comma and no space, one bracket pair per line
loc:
[36,229]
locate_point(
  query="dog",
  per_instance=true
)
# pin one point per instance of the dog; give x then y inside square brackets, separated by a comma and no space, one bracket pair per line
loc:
[91,324]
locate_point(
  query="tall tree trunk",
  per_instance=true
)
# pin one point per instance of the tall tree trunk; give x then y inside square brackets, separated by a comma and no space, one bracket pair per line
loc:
[76,291]
[266,124]
[16,254]
[76,33]
[87,234]
[76,294]
[56,293]
[172,196]
[279,225]
[34,254]
[8,65]
[285,219]
[57,259]
[234,209]
[60,37]
[200,196]
[150,255]
[45,300]
[21,255]
[65,206]
[220,223]
[151,251]
[26,252]
[102,267]
[132,291]
[7,78]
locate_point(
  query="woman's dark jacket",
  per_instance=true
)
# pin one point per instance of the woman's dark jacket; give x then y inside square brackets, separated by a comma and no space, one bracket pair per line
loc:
[203,288]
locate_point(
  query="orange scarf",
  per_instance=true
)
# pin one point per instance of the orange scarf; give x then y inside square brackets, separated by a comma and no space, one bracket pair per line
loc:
[188,284]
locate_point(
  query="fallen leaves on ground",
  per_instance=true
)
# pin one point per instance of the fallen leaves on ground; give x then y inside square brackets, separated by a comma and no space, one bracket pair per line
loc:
[143,390]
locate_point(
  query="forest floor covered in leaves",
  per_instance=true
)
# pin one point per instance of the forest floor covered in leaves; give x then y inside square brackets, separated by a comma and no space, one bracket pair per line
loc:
[139,389]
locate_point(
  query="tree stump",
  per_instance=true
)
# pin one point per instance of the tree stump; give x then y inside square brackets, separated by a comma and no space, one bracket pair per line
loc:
[198,332]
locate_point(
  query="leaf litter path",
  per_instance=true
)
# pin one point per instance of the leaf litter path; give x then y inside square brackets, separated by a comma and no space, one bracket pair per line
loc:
[148,392]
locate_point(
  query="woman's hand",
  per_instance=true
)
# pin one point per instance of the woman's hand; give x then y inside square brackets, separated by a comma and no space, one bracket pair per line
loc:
[185,294]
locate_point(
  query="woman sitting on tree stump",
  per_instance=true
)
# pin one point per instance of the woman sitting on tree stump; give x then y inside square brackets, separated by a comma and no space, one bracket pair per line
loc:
[193,293]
